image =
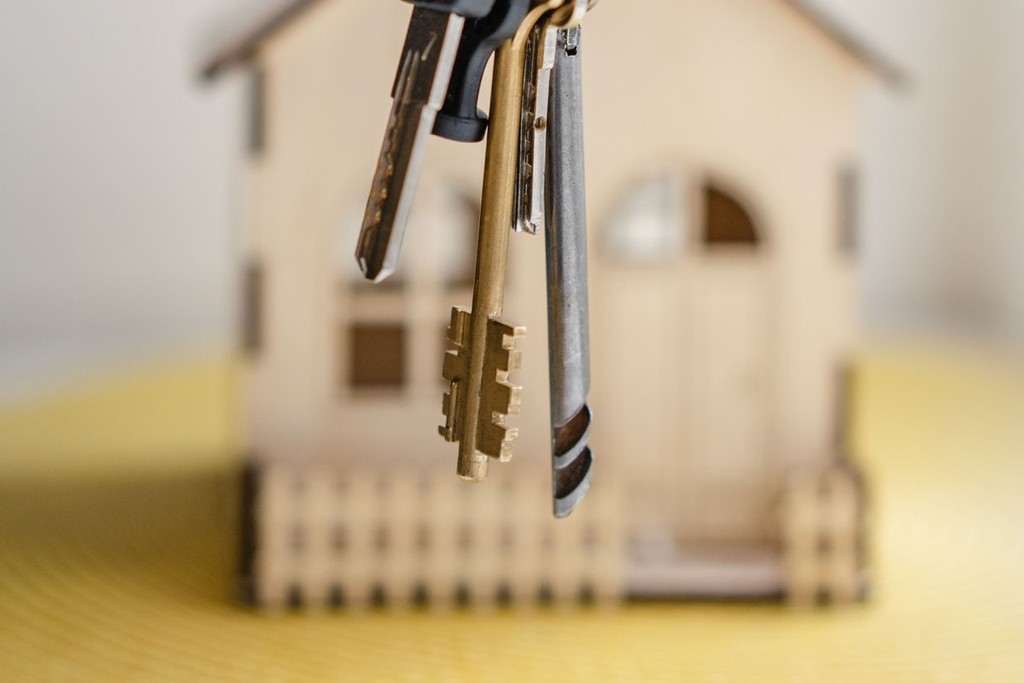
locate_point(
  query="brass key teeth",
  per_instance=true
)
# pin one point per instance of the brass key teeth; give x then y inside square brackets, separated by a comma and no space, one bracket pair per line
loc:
[450,429]
[499,398]
[456,371]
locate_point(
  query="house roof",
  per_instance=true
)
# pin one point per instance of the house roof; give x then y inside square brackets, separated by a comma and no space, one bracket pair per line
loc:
[854,45]
[245,47]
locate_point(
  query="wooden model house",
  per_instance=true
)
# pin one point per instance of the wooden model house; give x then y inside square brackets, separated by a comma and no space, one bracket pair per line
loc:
[722,143]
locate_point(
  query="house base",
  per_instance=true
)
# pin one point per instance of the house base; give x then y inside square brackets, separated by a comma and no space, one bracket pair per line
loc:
[656,569]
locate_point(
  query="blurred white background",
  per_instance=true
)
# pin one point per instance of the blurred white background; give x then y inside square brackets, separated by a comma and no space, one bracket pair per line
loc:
[118,167]
[943,214]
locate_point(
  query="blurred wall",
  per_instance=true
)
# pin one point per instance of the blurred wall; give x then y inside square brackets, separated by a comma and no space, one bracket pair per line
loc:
[116,180]
[943,215]
[117,173]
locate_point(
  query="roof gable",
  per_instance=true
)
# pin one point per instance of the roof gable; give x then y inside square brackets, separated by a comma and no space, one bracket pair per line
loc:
[850,43]
[245,48]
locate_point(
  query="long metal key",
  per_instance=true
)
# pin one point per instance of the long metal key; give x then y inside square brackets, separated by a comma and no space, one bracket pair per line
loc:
[540,61]
[424,73]
[481,397]
[566,246]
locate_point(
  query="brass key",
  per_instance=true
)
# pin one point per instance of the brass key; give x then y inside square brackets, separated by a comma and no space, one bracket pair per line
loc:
[481,398]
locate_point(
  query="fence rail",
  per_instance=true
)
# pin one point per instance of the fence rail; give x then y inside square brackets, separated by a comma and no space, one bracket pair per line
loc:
[326,537]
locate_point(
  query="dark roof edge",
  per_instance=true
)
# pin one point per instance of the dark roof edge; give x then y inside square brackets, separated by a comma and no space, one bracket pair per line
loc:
[245,48]
[887,70]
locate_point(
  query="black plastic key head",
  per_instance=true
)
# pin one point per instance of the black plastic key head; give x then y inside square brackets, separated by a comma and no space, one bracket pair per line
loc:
[460,118]
[471,9]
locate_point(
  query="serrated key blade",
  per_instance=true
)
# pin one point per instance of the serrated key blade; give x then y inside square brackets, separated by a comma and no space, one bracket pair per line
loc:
[532,161]
[420,88]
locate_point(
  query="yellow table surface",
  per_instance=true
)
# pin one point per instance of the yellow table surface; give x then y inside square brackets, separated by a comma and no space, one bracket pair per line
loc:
[117,549]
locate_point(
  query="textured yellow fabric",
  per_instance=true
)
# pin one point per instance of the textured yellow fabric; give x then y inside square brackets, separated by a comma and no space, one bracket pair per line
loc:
[168,417]
[116,566]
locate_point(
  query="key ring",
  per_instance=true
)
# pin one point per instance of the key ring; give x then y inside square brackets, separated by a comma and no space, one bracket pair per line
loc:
[572,13]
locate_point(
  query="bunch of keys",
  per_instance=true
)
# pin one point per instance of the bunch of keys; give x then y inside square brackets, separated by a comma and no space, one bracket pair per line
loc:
[533,176]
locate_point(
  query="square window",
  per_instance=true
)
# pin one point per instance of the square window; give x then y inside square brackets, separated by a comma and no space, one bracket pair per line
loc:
[378,357]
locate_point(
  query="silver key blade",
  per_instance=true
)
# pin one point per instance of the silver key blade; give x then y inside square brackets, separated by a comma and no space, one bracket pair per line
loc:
[420,88]
[566,246]
[530,168]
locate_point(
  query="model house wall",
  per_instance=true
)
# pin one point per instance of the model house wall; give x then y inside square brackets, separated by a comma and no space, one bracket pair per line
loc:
[722,142]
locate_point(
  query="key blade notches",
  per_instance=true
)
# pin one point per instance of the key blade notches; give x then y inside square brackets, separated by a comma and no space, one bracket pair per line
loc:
[420,88]
[498,398]
[533,130]
[456,371]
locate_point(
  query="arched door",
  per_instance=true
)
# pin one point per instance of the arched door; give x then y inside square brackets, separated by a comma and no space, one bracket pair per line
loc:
[684,302]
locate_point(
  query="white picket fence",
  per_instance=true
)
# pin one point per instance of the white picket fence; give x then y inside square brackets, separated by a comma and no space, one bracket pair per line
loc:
[326,537]
[821,527]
